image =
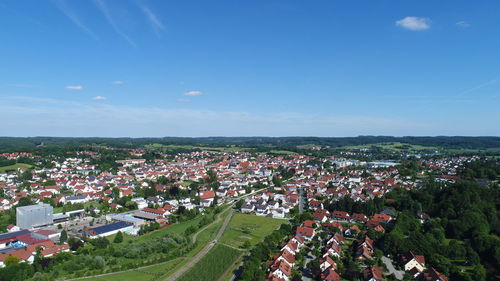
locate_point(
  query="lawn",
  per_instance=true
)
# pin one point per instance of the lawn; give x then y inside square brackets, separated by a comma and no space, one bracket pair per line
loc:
[14,167]
[244,227]
[212,266]
[155,272]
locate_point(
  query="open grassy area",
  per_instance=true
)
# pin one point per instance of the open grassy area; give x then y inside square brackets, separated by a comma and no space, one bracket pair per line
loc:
[172,147]
[212,266]
[14,167]
[395,146]
[155,272]
[284,152]
[245,227]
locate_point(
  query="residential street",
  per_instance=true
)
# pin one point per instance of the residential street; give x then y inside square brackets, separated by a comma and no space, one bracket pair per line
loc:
[390,267]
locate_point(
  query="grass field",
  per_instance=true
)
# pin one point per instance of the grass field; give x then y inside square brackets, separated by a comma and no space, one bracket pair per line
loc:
[213,265]
[155,272]
[171,147]
[284,152]
[14,167]
[244,227]
[395,146]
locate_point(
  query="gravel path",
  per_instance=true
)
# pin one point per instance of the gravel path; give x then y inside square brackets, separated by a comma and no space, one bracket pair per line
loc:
[204,251]
[388,262]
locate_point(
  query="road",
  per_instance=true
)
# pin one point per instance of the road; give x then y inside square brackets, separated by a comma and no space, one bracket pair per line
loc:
[204,251]
[388,263]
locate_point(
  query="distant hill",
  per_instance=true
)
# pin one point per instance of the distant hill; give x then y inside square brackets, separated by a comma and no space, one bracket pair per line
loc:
[452,142]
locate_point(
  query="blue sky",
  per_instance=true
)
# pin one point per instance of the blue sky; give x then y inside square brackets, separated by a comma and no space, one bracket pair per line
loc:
[249,68]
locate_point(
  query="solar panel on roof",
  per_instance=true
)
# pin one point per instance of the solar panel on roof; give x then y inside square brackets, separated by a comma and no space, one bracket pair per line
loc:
[110,227]
[13,234]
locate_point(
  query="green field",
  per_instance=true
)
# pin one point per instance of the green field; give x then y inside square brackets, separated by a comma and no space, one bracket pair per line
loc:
[283,152]
[395,146]
[244,227]
[14,167]
[173,147]
[155,272]
[212,266]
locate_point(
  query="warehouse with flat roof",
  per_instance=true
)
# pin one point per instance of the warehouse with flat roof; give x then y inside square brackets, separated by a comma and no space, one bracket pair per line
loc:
[108,229]
[34,216]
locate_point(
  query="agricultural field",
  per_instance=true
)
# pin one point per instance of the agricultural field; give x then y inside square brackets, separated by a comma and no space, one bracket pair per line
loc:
[251,228]
[394,146]
[212,266]
[14,167]
[173,147]
[283,152]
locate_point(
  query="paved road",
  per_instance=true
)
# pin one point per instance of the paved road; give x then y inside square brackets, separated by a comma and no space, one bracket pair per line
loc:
[204,251]
[388,263]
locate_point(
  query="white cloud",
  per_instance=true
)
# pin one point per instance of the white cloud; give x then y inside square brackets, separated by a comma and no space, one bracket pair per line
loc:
[463,24]
[118,82]
[193,93]
[183,100]
[414,23]
[99,98]
[74,88]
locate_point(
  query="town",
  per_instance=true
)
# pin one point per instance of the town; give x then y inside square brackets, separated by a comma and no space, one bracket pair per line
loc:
[337,205]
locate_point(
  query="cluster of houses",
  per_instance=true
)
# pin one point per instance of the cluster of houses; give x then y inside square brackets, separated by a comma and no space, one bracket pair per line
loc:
[338,225]
[76,180]
[270,204]
[282,264]
[24,244]
[415,266]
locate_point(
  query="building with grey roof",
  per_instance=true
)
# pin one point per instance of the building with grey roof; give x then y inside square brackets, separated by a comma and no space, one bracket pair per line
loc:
[34,215]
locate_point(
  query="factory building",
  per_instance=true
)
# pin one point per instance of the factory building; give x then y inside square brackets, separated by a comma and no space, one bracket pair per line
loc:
[34,216]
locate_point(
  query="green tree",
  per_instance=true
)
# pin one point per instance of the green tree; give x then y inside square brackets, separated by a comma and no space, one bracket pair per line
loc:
[11,260]
[118,237]
[64,236]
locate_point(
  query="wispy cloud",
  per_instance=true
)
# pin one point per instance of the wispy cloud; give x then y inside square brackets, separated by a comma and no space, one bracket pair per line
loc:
[101,5]
[463,24]
[193,93]
[183,100]
[22,85]
[414,23]
[480,86]
[118,82]
[34,116]
[74,88]
[153,19]
[99,98]
[63,6]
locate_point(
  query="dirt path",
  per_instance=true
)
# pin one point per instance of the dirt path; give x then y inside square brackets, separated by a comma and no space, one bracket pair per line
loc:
[204,251]
[230,268]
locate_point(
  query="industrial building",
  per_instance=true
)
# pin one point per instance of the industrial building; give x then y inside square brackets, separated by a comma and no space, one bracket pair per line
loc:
[34,216]
[109,229]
